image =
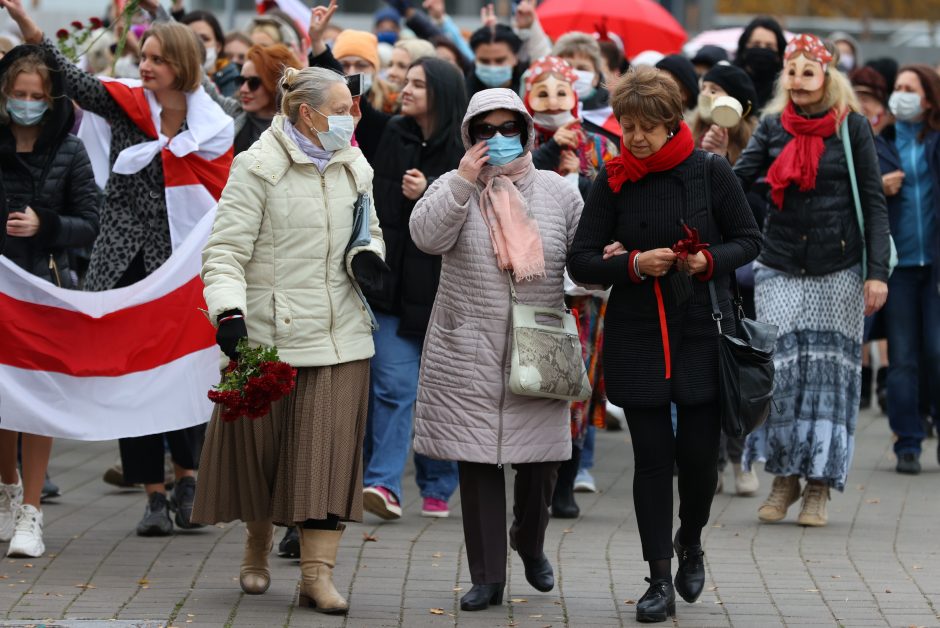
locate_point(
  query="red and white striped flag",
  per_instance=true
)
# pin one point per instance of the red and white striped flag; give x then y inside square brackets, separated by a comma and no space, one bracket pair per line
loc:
[604,118]
[102,365]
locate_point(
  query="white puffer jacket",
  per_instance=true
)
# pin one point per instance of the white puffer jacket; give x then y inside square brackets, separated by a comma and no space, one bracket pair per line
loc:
[278,251]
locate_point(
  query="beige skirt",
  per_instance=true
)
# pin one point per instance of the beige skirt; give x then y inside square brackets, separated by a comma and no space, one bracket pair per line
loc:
[301,461]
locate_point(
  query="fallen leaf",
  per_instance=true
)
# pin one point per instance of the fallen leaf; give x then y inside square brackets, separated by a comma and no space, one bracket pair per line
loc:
[369,537]
[860,487]
[519,600]
[917,567]
[835,576]
[712,588]
[811,590]
[437,611]
[873,500]
[887,590]
[143,581]
[85,586]
[718,602]
[629,602]
[567,531]
[718,525]
[437,555]
[535,617]
[3,577]
[28,565]
[457,589]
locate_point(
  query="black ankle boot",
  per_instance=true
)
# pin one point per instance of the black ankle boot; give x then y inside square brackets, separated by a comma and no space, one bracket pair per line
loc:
[865,400]
[539,572]
[690,576]
[881,388]
[482,596]
[658,603]
[563,504]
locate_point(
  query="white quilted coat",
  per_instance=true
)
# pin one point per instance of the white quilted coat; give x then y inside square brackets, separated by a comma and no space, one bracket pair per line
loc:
[465,410]
[278,251]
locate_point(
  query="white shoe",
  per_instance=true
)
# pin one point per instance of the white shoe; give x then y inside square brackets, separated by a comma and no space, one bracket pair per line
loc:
[745,482]
[11,498]
[27,539]
[584,482]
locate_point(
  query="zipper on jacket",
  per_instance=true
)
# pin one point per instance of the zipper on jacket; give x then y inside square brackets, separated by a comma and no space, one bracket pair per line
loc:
[920,225]
[502,396]
[329,242]
[55,270]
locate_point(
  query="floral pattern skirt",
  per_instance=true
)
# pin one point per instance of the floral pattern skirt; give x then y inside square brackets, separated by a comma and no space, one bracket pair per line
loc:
[811,428]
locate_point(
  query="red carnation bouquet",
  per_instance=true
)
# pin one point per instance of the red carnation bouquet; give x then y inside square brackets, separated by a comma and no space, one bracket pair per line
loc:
[252,384]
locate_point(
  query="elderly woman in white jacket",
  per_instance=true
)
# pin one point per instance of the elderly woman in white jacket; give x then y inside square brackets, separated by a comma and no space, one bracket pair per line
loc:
[465,409]
[283,267]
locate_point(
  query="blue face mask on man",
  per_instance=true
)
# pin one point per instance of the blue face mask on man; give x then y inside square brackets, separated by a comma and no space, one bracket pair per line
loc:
[493,75]
[503,149]
[387,37]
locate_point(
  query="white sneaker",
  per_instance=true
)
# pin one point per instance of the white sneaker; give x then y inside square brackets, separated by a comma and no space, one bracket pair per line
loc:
[11,498]
[27,539]
[746,483]
[584,482]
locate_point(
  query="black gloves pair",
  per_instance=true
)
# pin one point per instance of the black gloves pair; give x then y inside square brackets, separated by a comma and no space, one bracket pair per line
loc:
[231,329]
[369,270]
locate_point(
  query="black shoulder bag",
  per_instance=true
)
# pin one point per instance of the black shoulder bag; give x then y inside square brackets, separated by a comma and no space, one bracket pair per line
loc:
[745,360]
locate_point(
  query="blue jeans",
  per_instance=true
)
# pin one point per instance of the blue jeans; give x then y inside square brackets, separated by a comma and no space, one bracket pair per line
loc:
[587,450]
[392,394]
[913,311]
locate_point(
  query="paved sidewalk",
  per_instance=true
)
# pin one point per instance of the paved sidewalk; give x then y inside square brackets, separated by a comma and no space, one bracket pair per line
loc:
[876,564]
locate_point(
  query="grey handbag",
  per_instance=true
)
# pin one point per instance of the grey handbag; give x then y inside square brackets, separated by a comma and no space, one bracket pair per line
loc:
[546,353]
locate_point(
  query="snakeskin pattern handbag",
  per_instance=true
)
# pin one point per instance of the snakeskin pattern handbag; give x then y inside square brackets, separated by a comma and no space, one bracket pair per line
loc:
[546,353]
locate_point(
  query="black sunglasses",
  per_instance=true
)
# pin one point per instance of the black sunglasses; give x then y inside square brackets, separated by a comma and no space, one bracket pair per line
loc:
[254,82]
[485,130]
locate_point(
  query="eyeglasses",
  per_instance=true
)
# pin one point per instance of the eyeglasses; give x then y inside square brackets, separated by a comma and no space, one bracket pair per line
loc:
[254,82]
[485,130]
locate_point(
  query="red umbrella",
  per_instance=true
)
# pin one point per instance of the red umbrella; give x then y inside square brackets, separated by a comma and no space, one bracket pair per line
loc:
[642,24]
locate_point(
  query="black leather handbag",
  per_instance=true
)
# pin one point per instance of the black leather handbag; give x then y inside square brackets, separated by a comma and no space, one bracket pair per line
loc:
[745,359]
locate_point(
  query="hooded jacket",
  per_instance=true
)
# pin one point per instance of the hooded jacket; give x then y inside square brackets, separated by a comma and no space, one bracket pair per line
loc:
[408,291]
[55,179]
[278,251]
[465,409]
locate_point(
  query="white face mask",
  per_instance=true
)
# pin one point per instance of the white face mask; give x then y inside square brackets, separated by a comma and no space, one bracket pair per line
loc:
[339,134]
[552,121]
[584,86]
[211,57]
[905,106]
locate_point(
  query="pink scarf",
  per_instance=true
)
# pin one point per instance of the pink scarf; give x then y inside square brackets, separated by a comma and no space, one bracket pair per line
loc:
[513,229]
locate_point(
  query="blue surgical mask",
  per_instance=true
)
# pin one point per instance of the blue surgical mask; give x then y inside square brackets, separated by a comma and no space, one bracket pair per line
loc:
[503,149]
[27,112]
[339,134]
[493,75]
[387,37]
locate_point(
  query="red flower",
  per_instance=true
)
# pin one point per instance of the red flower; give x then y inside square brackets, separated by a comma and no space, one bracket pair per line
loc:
[95,22]
[62,34]
[253,399]
[77,25]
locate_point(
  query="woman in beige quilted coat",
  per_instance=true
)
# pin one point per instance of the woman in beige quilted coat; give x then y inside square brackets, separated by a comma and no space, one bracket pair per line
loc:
[495,213]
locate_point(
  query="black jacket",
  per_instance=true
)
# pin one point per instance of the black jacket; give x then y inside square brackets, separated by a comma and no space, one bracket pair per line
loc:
[56,180]
[646,215]
[816,232]
[409,291]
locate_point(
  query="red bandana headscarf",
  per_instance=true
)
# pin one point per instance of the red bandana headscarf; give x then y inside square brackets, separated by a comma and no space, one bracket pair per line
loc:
[626,167]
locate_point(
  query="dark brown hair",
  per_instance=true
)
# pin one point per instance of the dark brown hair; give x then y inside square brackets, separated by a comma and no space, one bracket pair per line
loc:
[648,94]
[930,81]
[270,62]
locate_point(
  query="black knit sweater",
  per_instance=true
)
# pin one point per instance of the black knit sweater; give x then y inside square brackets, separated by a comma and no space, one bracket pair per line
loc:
[647,215]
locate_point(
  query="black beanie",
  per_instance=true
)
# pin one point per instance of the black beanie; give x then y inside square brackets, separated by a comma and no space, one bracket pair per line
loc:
[710,56]
[737,83]
[681,68]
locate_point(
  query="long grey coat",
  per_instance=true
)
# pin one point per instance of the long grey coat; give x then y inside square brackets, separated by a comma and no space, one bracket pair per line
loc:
[465,410]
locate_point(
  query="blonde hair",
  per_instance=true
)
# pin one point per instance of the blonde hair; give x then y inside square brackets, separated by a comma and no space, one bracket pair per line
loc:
[183,51]
[416,48]
[308,86]
[837,94]
[574,43]
[32,63]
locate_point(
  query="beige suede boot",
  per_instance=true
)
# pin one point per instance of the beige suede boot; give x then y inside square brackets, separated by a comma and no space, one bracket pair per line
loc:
[813,511]
[783,493]
[255,576]
[318,550]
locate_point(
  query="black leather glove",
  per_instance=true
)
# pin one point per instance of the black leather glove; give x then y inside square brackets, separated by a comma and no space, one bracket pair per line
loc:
[230,332]
[369,270]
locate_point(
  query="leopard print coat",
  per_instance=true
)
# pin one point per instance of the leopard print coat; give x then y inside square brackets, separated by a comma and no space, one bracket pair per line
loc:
[134,218]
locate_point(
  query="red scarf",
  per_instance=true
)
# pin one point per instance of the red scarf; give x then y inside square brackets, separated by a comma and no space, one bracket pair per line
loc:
[799,161]
[626,167]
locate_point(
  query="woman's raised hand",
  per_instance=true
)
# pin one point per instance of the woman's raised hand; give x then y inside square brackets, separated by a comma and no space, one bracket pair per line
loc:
[715,140]
[319,22]
[32,34]
[656,262]
[568,135]
[473,161]
[150,6]
[488,15]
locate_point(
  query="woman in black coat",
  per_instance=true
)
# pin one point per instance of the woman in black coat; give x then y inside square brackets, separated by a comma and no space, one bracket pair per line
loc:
[53,201]
[660,341]
[416,147]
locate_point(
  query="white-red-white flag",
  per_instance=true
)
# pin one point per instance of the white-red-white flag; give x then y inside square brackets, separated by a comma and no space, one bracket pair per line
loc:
[297,10]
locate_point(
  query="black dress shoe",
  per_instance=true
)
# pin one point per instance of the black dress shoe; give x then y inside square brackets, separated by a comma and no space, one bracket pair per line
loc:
[482,596]
[690,576]
[658,603]
[908,463]
[289,547]
[563,504]
[539,573]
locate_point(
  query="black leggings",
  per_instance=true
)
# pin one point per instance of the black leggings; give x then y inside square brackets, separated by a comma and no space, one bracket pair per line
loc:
[694,448]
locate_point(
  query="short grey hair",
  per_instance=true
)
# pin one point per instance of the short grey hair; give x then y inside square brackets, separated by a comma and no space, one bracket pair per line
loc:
[308,86]
[574,43]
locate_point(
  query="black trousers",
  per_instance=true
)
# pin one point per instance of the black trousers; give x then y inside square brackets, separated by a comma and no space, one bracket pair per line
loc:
[142,456]
[694,448]
[483,499]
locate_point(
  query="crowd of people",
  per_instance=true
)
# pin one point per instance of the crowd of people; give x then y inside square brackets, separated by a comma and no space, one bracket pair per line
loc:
[392,194]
